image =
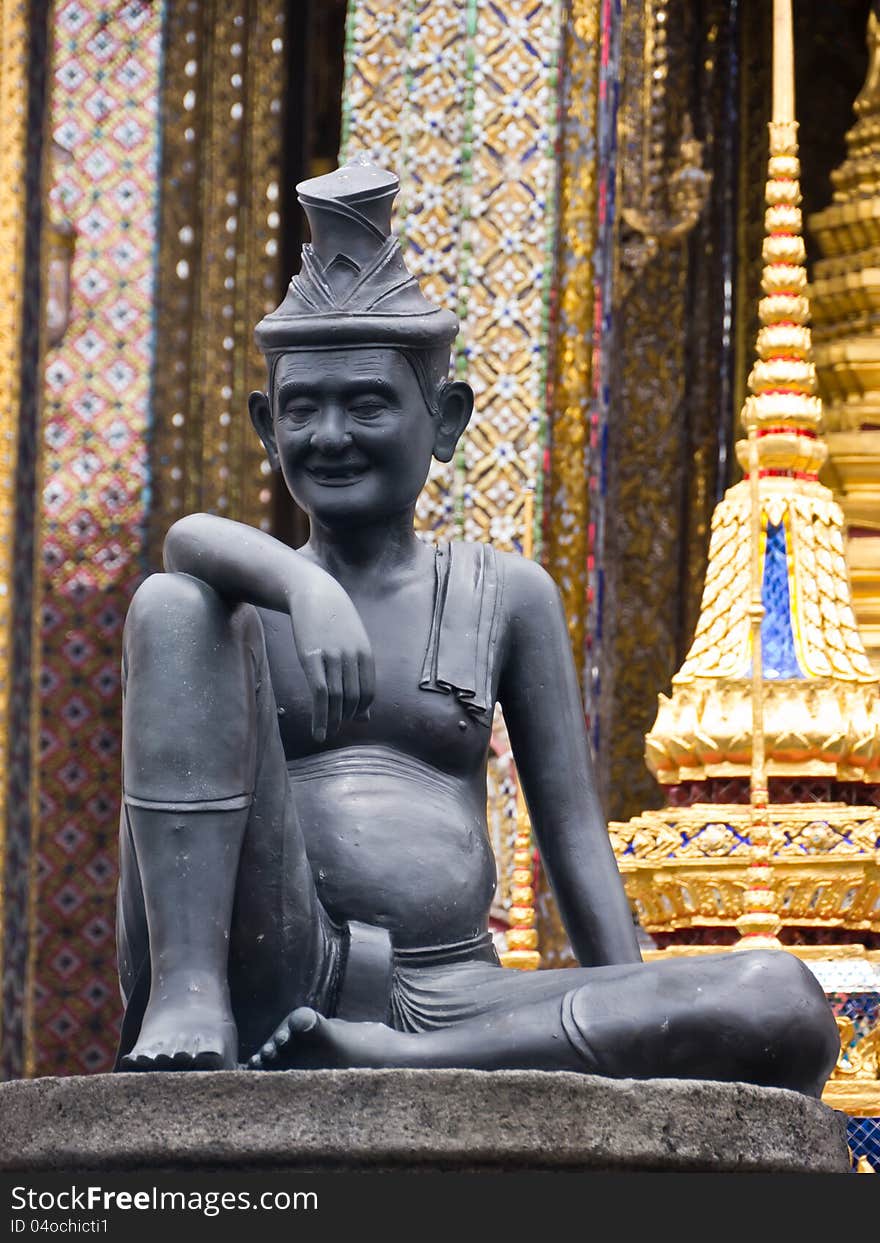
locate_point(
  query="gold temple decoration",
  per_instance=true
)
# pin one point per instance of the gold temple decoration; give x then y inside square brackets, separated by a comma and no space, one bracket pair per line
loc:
[522,933]
[219,257]
[566,541]
[759,924]
[672,198]
[826,721]
[688,867]
[60,243]
[819,716]
[845,296]
[776,694]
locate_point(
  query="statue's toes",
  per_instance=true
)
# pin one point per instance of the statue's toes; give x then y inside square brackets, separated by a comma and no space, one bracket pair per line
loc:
[199,1056]
[173,1057]
[148,1059]
[266,1057]
[281,1047]
[199,1052]
[303,1021]
[136,1061]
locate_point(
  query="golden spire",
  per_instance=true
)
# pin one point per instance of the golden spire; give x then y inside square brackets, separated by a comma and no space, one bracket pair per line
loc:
[782,387]
[819,697]
[769,745]
[821,715]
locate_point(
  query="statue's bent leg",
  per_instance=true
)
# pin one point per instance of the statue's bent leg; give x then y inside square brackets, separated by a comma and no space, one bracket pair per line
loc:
[757,1017]
[753,1017]
[206,812]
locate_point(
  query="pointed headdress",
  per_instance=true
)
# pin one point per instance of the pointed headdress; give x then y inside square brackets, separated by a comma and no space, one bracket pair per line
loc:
[353,287]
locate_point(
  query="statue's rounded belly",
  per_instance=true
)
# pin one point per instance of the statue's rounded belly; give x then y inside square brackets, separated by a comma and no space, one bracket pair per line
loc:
[390,848]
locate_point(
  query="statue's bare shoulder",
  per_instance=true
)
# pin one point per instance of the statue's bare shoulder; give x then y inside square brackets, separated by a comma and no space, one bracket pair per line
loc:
[533,613]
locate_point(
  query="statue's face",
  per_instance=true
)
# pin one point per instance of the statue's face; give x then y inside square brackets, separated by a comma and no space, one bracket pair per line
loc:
[354,435]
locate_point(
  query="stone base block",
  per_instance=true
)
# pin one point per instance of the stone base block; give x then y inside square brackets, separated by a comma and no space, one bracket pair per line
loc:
[411,1121]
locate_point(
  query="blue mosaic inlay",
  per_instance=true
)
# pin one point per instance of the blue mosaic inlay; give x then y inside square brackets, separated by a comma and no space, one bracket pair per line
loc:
[777,636]
[863,1137]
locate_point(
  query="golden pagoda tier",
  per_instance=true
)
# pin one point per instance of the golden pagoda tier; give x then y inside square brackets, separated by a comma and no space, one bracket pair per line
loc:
[771,830]
[821,704]
[845,297]
[686,866]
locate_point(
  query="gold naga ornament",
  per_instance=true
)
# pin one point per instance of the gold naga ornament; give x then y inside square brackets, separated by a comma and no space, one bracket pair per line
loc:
[769,744]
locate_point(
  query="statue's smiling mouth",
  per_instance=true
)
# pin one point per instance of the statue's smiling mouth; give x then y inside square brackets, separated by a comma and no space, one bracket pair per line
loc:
[337,475]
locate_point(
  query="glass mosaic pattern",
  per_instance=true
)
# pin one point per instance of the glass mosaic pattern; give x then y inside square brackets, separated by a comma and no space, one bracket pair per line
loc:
[777,637]
[863,1137]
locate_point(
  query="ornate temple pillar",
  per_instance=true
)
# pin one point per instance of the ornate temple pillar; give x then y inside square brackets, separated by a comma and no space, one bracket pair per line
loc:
[23,53]
[671,371]
[218,258]
[89,517]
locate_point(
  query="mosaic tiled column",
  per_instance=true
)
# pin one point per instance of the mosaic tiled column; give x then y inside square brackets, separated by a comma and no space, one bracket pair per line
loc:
[104,111]
[460,98]
[578,396]
[22,75]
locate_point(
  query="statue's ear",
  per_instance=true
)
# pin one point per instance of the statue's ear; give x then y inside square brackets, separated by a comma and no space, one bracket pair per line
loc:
[261,417]
[456,403]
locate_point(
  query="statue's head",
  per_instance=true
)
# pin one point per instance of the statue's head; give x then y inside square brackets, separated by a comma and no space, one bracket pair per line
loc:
[358,398]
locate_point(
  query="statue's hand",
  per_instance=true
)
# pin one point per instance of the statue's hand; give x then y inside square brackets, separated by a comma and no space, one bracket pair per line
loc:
[335,654]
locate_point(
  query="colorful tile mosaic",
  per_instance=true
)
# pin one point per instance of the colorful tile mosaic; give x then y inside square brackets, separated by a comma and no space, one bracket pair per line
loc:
[460,97]
[567,524]
[103,110]
[863,1137]
[573,503]
[603,336]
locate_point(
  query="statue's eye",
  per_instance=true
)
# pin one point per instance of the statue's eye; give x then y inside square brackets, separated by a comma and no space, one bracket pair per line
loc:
[367,407]
[300,411]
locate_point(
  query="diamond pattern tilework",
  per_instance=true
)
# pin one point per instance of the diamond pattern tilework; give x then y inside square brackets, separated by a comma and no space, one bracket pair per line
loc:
[863,1137]
[460,98]
[104,98]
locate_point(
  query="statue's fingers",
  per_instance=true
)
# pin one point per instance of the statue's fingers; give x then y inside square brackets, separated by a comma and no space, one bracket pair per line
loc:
[313,668]
[366,681]
[333,674]
[351,687]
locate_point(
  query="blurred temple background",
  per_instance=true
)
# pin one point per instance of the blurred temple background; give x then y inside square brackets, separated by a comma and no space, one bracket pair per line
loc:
[583,182]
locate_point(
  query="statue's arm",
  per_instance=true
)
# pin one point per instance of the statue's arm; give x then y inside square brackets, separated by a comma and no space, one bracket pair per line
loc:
[244,564]
[542,707]
[239,561]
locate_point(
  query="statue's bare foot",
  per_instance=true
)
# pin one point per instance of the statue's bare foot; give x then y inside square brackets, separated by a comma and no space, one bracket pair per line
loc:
[185,1034]
[308,1041]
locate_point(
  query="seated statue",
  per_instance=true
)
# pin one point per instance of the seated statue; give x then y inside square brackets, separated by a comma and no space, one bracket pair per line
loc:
[306,872]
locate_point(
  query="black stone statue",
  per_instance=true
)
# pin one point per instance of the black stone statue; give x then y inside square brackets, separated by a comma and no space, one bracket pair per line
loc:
[306,872]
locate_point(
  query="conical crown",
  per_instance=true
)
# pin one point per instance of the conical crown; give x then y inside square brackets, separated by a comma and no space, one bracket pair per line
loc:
[353,287]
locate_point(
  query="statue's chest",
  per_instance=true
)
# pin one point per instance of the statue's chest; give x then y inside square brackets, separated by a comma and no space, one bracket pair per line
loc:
[427,723]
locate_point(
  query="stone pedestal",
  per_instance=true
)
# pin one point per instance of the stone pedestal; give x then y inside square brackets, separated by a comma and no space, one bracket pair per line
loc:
[404,1120]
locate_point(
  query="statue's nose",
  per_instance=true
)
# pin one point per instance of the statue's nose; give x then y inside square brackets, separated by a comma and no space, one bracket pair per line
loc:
[331,434]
